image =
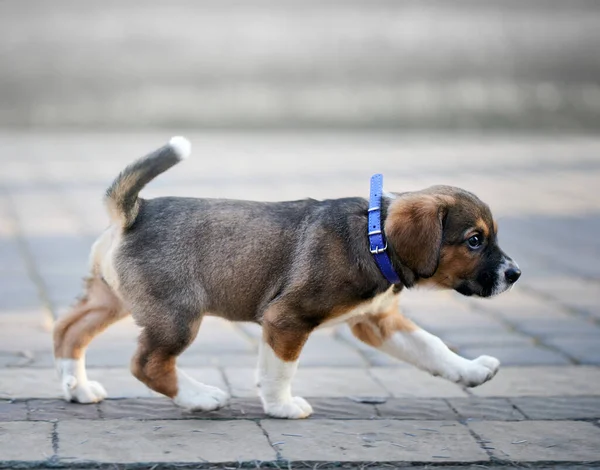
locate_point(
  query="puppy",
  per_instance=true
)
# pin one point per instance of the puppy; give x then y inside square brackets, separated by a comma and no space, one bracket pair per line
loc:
[291,266]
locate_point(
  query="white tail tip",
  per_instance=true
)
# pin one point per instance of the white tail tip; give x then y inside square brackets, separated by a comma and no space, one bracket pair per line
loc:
[181,146]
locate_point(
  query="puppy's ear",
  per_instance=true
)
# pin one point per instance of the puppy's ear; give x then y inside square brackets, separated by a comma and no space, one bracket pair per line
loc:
[413,228]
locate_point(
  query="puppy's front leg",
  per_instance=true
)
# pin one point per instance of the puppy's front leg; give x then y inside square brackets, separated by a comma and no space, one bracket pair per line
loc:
[277,363]
[397,336]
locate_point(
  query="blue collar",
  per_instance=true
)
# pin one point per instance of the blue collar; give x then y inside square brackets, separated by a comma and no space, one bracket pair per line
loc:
[378,245]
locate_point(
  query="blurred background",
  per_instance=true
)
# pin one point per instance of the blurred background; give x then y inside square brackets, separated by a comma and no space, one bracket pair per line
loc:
[291,99]
[468,64]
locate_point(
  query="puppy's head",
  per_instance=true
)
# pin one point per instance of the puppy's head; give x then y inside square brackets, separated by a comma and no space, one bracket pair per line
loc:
[447,237]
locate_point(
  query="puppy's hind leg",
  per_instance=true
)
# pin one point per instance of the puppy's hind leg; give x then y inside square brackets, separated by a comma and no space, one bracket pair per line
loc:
[154,363]
[96,311]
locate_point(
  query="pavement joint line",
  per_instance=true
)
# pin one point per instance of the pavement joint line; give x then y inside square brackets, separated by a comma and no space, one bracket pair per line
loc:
[225,380]
[27,406]
[30,266]
[378,382]
[55,440]
[454,410]
[478,439]
[464,422]
[277,451]
[516,407]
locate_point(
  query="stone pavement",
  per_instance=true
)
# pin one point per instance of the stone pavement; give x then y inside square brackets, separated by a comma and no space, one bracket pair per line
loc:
[542,408]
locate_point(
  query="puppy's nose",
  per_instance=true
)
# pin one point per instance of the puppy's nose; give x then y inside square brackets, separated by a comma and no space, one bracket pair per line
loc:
[512,274]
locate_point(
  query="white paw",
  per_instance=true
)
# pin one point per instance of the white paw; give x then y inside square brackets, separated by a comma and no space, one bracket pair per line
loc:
[195,396]
[75,385]
[479,371]
[294,408]
[82,392]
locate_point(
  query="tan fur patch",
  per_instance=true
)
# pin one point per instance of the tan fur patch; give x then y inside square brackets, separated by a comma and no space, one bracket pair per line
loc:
[287,345]
[456,262]
[483,227]
[375,329]
[96,311]
[284,333]
[158,372]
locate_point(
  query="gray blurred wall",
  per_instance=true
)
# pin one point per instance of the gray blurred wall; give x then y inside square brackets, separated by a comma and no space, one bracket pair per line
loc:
[503,64]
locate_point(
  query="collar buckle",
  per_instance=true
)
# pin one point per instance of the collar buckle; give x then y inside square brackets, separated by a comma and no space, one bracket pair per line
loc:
[377,242]
[376,251]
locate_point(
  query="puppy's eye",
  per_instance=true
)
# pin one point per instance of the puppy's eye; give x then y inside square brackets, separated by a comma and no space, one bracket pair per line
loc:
[475,241]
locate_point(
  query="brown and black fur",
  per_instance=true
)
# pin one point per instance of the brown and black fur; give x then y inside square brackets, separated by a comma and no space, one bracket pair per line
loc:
[290,266]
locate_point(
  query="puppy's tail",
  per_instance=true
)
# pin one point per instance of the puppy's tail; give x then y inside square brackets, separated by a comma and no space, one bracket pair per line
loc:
[121,197]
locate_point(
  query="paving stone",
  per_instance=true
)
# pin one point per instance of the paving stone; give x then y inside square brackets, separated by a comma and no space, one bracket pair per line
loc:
[342,408]
[558,407]
[440,324]
[432,302]
[27,358]
[373,440]
[518,304]
[140,408]
[512,355]
[217,359]
[416,408]
[579,294]
[217,334]
[29,383]
[183,441]
[237,408]
[324,408]
[312,382]
[25,442]
[44,410]
[550,327]
[495,338]
[119,383]
[17,292]
[27,332]
[485,409]
[13,410]
[534,441]
[373,356]
[542,381]
[586,350]
[324,350]
[415,383]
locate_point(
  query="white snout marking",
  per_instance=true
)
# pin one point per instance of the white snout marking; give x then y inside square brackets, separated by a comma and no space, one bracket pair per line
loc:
[502,283]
